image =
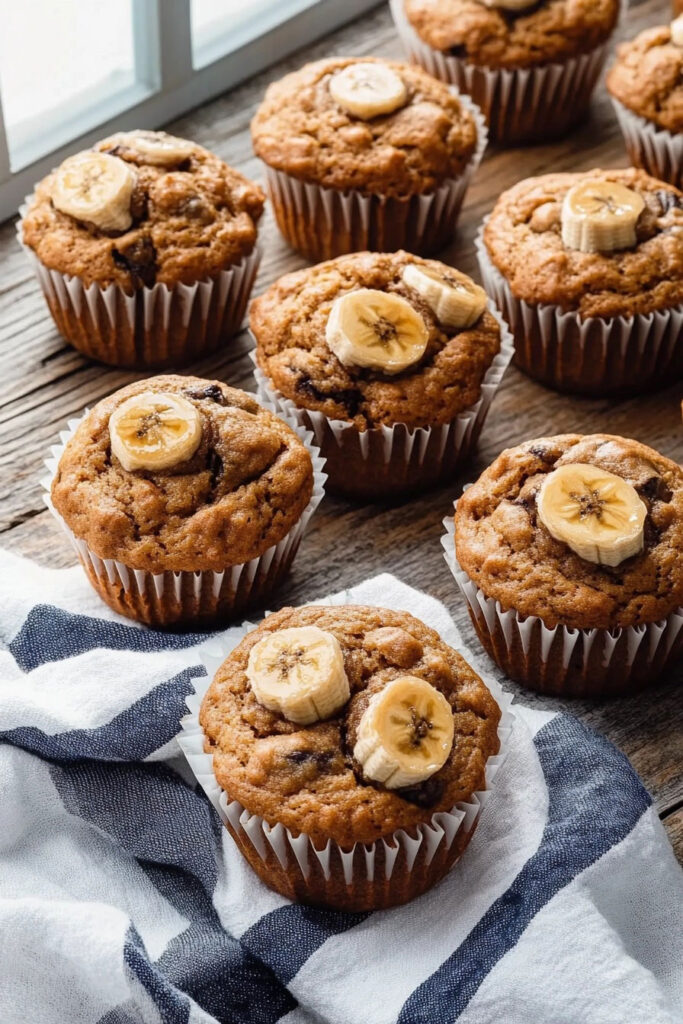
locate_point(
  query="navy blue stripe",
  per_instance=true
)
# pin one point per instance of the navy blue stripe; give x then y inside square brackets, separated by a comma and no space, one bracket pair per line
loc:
[595,800]
[173,1006]
[132,735]
[51,634]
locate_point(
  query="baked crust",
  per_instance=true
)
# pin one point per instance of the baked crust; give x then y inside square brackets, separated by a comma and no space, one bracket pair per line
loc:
[241,492]
[647,77]
[504,548]
[305,777]
[299,129]
[523,240]
[289,320]
[190,223]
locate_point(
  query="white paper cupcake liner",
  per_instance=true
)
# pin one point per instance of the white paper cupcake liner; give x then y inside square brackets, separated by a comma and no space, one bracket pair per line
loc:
[593,356]
[181,597]
[393,460]
[322,222]
[561,661]
[154,327]
[656,150]
[520,105]
[363,865]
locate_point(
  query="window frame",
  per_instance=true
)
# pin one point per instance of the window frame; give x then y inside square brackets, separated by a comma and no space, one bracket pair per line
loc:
[167,84]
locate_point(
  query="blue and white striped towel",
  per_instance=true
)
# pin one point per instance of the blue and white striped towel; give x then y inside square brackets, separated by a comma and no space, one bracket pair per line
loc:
[123,901]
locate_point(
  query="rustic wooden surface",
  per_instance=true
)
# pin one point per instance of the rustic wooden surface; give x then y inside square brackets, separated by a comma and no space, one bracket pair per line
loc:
[43,382]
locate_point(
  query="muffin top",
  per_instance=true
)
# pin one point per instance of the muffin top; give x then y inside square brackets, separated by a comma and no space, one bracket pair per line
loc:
[141,208]
[322,364]
[183,474]
[366,124]
[489,35]
[647,77]
[525,239]
[504,545]
[308,777]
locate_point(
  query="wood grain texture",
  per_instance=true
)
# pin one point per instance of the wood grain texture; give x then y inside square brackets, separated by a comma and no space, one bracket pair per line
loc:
[43,382]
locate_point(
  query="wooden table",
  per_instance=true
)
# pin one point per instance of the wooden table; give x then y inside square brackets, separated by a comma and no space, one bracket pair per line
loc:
[43,382]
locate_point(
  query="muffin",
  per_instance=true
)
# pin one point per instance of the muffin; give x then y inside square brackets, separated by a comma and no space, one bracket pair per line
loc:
[185,499]
[531,67]
[569,553]
[646,85]
[350,746]
[362,153]
[145,248]
[588,271]
[391,360]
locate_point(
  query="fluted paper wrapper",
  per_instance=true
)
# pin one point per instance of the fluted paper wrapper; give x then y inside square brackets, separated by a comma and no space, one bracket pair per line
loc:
[565,662]
[154,327]
[386,461]
[371,876]
[593,356]
[656,150]
[189,599]
[322,223]
[520,105]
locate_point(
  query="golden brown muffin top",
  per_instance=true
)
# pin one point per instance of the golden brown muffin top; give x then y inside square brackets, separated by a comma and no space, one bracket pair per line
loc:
[241,492]
[190,222]
[547,32]
[523,240]
[306,777]
[647,77]
[289,322]
[504,548]
[301,130]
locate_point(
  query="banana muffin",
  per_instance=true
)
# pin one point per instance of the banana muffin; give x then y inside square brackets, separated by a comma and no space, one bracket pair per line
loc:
[145,247]
[185,498]
[390,359]
[531,66]
[587,268]
[646,85]
[363,153]
[344,725]
[569,551]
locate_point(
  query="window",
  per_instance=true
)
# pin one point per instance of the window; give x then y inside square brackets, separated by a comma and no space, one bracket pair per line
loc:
[94,68]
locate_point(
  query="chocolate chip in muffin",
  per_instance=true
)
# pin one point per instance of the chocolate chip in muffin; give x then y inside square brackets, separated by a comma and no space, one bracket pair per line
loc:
[139,259]
[212,393]
[426,794]
[349,398]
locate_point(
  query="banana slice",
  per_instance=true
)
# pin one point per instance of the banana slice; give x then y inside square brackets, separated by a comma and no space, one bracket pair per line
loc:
[158,148]
[368,90]
[597,514]
[300,673]
[677,31]
[405,734]
[454,298]
[378,330]
[97,188]
[599,216]
[154,430]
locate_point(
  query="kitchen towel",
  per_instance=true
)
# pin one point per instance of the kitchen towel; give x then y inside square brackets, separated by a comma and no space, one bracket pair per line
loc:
[124,901]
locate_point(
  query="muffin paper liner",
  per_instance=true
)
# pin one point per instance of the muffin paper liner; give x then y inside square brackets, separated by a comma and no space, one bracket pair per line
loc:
[562,661]
[592,356]
[655,149]
[520,105]
[377,875]
[188,598]
[155,327]
[384,460]
[322,222]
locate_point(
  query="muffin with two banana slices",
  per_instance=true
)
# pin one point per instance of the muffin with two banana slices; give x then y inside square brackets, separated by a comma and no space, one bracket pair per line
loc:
[569,553]
[587,268]
[145,248]
[185,499]
[646,86]
[530,65]
[359,744]
[391,360]
[363,153]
